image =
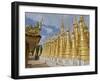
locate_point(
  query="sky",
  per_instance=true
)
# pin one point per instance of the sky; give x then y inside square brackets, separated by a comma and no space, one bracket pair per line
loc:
[52,22]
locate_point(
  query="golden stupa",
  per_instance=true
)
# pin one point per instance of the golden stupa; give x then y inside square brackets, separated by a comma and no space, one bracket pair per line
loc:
[68,47]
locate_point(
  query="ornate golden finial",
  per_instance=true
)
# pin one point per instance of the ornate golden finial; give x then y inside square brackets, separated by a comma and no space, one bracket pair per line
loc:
[75,20]
[81,19]
[62,26]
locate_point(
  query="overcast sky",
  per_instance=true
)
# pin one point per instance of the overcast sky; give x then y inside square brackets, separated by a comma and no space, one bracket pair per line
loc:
[52,22]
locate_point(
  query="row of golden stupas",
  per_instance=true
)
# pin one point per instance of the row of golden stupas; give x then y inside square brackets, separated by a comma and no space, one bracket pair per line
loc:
[68,47]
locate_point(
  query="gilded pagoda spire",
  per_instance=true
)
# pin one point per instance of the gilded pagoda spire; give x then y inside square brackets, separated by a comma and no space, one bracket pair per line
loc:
[75,21]
[83,46]
[81,19]
[76,29]
[62,26]
[61,39]
[76,33]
